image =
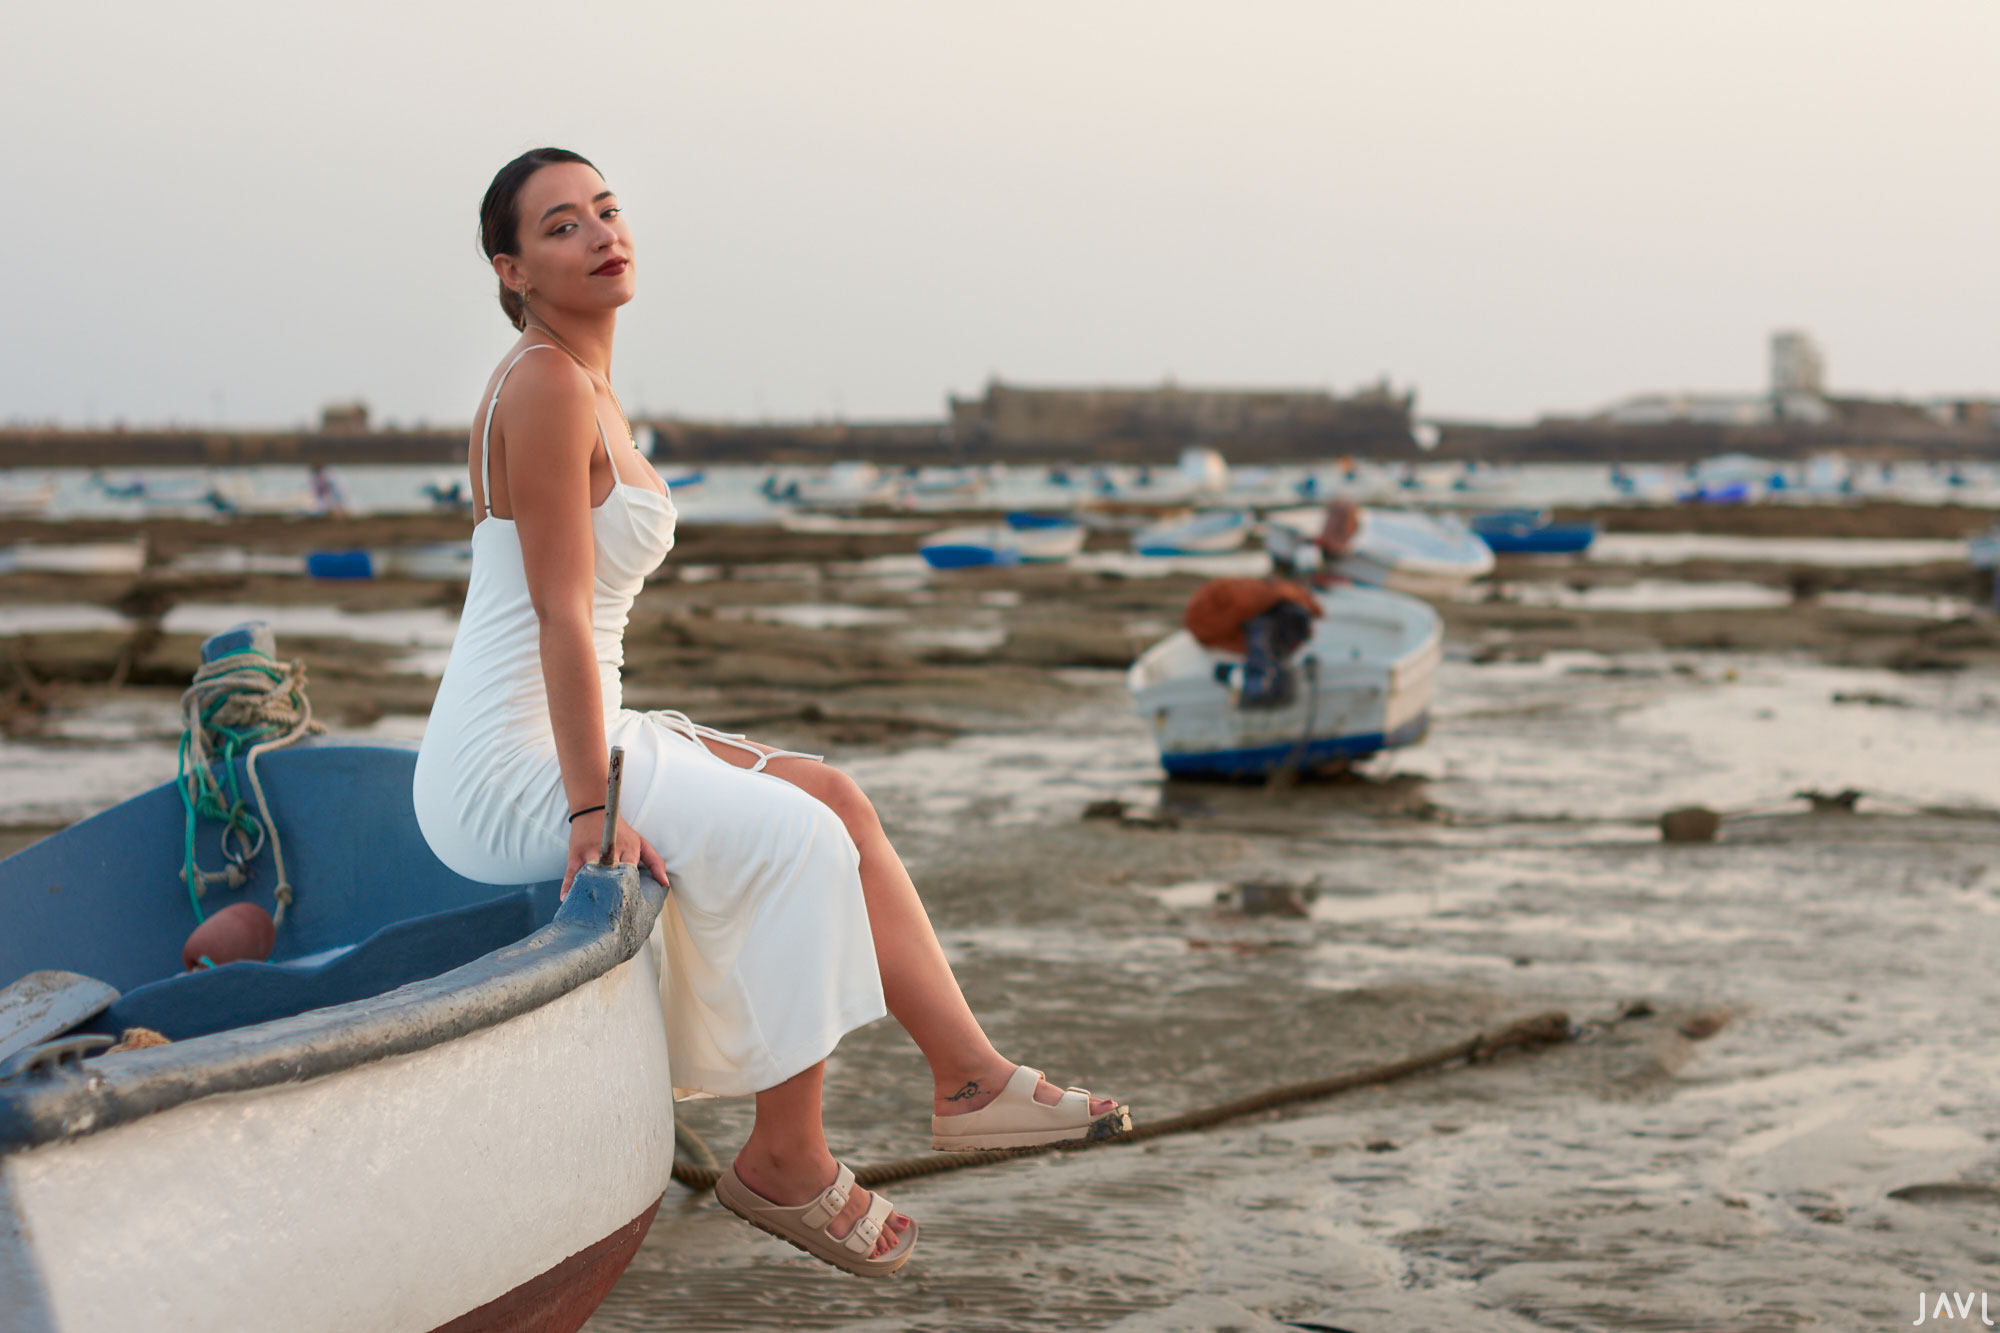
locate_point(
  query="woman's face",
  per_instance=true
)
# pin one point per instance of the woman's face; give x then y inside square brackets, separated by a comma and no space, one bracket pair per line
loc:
[574,250]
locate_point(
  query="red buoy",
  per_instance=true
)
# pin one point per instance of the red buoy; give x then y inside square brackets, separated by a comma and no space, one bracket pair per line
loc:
[240,932]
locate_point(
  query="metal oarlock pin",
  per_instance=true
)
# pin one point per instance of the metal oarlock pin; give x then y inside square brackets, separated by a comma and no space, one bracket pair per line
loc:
[611,805]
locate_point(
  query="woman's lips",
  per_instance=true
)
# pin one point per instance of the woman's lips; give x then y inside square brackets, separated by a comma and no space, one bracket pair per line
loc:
[610,268]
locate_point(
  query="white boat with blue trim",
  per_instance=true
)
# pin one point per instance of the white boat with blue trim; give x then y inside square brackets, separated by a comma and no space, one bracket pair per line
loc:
[1022,538]
[1212,533]
[437,1104]
[1363,685]
[1421,554]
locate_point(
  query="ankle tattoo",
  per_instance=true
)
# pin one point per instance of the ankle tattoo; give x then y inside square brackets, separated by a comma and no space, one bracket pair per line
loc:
[965,1093]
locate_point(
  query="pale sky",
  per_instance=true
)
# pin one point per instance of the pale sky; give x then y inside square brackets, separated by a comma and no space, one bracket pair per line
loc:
[242,210]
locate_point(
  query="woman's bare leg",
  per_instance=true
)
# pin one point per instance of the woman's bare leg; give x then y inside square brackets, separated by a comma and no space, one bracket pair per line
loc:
[787,1161]
[917,983]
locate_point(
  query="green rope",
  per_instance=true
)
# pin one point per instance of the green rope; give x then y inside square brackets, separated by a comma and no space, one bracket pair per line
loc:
[238,707]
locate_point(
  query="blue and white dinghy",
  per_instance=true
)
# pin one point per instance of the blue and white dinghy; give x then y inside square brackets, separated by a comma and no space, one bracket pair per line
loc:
[1419,554]
[1212,533]
[1532,532]
[1363,685]
[438,1104]
[1031,538]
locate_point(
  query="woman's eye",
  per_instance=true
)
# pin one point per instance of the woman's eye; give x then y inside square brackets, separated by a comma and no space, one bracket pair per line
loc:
[614,209]
[567,226]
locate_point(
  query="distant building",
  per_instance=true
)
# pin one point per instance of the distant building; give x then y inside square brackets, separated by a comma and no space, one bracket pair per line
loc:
[1011,416]
[1797,394]
[1798,378]
[1798,367]
[1706,409]
[344,418]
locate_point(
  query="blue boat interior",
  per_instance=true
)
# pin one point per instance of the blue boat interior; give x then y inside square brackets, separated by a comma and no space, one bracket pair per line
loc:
[373,909]
[1022,520]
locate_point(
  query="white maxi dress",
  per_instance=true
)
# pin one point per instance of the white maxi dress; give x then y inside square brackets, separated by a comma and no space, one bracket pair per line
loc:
[766,957]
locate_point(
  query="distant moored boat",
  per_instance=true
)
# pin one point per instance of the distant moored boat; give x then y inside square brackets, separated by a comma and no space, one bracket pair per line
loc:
[1530,532]
[1204,534]
[1402,549]
[1033,538]
[1364,685]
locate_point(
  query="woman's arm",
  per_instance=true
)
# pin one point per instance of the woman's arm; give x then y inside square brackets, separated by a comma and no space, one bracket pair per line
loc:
[549,438]
[551,434]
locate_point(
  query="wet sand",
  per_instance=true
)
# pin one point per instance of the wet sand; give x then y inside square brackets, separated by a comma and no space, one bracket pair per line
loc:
[1819,990]
[1782,1113]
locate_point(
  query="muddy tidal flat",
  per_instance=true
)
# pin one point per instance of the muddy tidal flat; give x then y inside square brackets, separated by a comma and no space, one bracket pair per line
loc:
[1781,1110]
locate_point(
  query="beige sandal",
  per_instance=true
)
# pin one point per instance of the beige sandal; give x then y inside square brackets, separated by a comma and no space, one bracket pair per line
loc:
[806,1225]
[1015,1119]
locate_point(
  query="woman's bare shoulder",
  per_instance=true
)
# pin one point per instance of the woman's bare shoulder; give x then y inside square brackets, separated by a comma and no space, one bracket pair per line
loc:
[548,374]
[547,394]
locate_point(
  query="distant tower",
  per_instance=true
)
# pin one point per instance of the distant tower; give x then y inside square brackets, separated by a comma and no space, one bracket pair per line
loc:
[1798,370]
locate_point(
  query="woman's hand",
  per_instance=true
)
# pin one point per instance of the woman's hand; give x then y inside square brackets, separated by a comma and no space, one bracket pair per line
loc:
[586,836]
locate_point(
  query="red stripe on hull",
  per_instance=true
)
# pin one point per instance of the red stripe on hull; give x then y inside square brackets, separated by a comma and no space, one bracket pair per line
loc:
[561,1299]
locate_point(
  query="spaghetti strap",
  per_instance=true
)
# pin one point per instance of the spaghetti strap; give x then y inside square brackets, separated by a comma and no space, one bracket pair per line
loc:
[487,431]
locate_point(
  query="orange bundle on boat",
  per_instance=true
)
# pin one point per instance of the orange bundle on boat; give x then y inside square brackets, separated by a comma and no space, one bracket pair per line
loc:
[1217,611]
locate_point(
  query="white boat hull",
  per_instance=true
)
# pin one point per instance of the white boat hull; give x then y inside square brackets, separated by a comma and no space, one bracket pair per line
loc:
[405,1193]
[1049,544]
[74,558]
[1402,550]
[1373,657]
[1000,544]
[1983,551]
[1204,534]
[1366,569]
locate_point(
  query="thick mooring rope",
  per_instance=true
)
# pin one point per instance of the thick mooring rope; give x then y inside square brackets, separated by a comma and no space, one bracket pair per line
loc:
[1528,1034]
[243,705]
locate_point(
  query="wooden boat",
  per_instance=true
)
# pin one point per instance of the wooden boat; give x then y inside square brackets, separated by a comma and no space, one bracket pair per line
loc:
[25,497]
[970,547]
[1983,551]
[446,561]
[448,493]
[1211,533]
[1202,471]
[1046,538]
[1486,479]
[1365,686]
[74,557]
[839,487]
[354,564]
[1728,479]
[1200,476]
[943,483]
[1401,549]
[1530,532]
[1030,538]
[238,495]
[176,489]
[440,1104]
[1719,493]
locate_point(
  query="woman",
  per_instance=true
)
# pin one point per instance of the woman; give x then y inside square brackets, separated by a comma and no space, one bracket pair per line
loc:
[792,920]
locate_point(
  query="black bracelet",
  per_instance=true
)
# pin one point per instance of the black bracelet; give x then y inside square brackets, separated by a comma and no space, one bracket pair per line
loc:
[581,813]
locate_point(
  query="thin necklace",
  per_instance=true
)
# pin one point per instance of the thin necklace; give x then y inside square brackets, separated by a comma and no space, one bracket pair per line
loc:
[590,370]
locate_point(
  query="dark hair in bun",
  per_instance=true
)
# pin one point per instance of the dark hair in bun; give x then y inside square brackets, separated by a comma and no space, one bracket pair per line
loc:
[500,214]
